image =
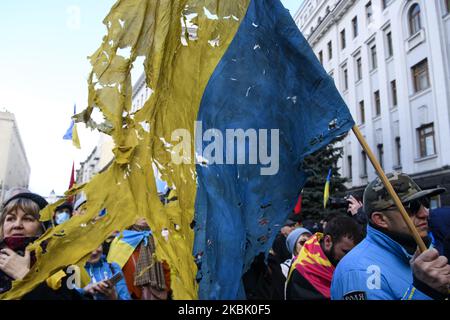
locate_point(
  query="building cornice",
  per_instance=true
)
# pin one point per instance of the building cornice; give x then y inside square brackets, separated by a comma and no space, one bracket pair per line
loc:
[329,20]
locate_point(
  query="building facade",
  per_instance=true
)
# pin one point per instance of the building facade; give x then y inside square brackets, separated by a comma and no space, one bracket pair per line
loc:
[390,60]
[14,165]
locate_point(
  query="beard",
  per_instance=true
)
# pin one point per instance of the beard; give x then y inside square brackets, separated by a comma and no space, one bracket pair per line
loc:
[331,255]
[404,239]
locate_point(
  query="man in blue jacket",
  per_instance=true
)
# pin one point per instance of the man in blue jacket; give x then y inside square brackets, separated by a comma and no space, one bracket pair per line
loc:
[386,265]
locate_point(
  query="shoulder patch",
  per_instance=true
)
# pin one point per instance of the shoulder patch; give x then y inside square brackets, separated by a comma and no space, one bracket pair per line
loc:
[355,295]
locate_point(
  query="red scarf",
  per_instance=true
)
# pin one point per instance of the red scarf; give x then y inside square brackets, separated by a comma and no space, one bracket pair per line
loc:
[314,266]
[18,245]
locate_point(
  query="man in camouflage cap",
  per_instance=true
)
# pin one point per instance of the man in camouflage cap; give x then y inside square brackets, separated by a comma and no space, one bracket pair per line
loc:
[385,265]
[377,199]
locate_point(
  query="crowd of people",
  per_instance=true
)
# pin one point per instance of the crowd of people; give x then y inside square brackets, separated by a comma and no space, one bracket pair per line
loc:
[366,253]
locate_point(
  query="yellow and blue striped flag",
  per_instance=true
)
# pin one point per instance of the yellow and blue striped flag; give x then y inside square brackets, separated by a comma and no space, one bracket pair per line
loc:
[326,191]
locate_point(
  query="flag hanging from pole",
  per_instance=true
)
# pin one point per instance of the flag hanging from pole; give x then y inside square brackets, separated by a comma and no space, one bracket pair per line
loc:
[298,206]
[72,133]
[326,191]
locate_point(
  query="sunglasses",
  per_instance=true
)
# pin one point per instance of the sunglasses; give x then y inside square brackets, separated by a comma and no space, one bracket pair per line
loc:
[412,207]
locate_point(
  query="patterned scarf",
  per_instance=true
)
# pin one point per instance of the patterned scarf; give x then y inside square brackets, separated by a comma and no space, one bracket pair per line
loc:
[314,266]
[148,270]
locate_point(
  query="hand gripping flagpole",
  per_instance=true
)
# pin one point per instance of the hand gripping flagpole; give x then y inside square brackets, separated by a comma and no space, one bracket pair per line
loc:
[389,188]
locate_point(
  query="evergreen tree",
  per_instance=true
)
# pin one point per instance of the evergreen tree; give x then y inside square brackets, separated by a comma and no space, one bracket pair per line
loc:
[316,167]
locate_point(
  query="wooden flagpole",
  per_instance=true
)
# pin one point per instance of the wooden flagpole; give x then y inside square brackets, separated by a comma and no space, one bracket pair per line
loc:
[389,188]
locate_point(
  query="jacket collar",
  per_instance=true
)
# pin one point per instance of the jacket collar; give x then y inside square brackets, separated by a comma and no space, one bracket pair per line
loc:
[382,240]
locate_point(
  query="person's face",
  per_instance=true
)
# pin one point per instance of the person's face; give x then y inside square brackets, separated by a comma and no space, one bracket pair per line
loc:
[300,242]
[20,224]
[336,251]
[419,215]
[96,255]
[287,229]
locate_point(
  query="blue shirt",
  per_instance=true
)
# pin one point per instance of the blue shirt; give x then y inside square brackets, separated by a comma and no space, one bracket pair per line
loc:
[376,269]
[102,270]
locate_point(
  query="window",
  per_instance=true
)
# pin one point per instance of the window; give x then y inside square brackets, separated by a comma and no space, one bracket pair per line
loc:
[373,57]
[358,69]
[330,50]
[398,152]
[427,146]
[363,164]
[390,48]
[380,154]
[343,44]
[394,92]
[321,57]
[420,76]
[369,12]
[362,112]
[350,167]
[414,19]
[345,76]
[376,97]
[355,27]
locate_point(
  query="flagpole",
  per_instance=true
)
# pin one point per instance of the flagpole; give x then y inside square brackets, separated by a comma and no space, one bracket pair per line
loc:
[389,188]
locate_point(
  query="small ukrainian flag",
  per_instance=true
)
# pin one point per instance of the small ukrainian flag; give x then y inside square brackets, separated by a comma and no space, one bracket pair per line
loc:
[326,191]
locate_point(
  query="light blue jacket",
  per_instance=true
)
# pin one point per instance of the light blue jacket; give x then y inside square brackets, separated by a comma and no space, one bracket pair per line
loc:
[376,269]
[102,270]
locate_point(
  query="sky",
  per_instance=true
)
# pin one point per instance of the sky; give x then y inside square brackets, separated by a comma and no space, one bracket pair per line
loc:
[43,72]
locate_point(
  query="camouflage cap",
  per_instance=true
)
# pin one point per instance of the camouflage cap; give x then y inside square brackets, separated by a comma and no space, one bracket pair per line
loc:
[377,198]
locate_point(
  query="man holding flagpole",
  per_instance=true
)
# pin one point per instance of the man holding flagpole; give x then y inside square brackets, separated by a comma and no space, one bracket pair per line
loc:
[386,264]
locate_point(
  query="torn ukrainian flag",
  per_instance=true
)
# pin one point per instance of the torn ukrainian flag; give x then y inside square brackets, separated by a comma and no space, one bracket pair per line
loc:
[240,64]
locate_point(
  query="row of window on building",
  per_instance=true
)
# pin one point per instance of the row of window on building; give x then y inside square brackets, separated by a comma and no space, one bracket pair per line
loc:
[421,82]
[426,148]
[414,23]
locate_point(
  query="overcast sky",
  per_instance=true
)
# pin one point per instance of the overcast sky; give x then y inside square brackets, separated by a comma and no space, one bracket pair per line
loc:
[43,73]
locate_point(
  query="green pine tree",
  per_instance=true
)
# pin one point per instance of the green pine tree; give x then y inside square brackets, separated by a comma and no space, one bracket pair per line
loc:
[317,166]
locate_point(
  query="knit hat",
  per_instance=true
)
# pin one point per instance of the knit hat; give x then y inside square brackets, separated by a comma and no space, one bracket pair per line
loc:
[292,238]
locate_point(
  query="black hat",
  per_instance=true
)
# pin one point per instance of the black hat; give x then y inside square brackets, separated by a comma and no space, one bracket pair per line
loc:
[65,205]
[40,201]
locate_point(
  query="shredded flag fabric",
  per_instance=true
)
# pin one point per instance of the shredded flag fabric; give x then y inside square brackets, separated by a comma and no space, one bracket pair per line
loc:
[314,266]
[243,65]
[72,133]
[326,190]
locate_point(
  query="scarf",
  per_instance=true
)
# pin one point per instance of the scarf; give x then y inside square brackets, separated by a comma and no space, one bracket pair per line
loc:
[148,270]
[18,245]
[314,266]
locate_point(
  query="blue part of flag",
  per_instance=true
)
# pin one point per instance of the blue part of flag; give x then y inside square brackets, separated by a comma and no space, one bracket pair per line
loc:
[269,78]
[68,135]
[69,132]
[329,175]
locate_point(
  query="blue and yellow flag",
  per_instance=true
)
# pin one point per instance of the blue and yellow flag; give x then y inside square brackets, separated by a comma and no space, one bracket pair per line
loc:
[242,71]
[326,190]
[72,133]
[123,246]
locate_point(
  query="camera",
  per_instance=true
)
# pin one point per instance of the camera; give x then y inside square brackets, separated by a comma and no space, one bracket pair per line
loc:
[338,203]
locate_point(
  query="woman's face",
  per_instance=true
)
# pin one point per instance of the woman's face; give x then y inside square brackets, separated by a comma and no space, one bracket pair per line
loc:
[20,224]
[300,242]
